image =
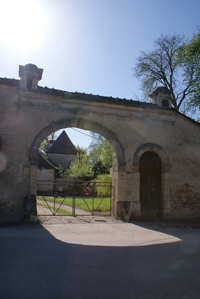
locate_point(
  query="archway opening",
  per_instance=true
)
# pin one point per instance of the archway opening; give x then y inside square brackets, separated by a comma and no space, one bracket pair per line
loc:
[78,180]
[79,123]
[150,185]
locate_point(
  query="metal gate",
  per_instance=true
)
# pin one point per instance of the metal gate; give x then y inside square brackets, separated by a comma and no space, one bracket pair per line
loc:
[73,198]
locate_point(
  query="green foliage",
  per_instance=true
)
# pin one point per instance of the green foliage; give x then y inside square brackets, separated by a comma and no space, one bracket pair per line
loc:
[98,161]
[188,57]
[60,211]
[106,154]
[81,167]
[81,151]
[44,144]
[103,188]
[60,173]
[99,168]
[101,155]
[161,67]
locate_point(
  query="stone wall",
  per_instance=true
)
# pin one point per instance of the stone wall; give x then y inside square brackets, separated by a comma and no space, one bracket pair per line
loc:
[185,202]
[45,181]
[27,117]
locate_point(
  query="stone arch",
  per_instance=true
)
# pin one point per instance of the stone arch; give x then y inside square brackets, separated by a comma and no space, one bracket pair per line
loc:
[82,124]
[152,148]
[165,200]
[67,123]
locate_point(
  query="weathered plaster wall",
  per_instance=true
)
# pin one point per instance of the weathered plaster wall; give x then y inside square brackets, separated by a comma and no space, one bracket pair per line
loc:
[61,160]
[185,170]
[45,180]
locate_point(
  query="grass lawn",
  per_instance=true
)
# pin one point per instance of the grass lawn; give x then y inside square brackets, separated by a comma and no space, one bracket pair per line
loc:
[104,206]
[61,211]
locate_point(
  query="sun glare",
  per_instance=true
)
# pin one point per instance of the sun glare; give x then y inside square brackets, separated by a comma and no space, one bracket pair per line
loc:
[21,24]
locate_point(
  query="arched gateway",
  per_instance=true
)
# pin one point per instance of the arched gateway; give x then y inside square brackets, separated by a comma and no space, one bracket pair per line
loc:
[142,135]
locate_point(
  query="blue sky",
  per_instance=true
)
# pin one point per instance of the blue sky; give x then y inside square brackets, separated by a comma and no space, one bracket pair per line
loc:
[88,45]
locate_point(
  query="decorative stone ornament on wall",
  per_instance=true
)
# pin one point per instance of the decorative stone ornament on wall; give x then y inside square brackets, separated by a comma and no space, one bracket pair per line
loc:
[30,74]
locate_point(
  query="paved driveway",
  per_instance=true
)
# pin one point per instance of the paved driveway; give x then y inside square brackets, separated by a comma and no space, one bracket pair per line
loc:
[103,231]
[97,258]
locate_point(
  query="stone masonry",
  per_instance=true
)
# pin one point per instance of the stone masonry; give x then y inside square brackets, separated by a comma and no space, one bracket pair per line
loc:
[29,113]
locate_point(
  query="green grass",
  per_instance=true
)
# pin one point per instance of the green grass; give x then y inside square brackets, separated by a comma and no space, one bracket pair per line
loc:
[104,206]
[61,211]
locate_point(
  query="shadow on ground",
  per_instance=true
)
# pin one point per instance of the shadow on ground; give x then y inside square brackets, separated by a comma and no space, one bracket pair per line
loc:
[34,264]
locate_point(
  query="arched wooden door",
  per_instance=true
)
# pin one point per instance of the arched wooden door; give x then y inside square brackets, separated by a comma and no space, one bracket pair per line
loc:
[150,185]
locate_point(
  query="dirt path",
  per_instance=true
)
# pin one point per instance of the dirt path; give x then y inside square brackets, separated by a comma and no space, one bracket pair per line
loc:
[46,211]
[46,217]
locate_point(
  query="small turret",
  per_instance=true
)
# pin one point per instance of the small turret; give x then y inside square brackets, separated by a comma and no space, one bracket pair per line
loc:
[162,97]
[30,74]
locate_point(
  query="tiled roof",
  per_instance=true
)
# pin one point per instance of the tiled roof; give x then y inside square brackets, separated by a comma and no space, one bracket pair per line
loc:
[90,97]
[62,145]
[9,82]
[81,96]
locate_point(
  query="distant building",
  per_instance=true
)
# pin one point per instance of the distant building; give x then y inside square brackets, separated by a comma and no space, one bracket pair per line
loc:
[62,152]
[45,175]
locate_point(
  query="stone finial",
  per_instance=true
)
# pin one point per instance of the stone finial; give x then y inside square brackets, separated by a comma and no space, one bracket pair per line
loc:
[161,96]
[30,74]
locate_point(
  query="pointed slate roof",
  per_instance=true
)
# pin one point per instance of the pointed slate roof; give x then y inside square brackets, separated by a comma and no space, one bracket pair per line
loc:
[62,145]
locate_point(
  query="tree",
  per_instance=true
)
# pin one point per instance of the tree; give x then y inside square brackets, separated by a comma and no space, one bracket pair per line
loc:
[98,161]
[81,167]
[188,57]
[161,67]
[103,189]
[101,155]
[45,144]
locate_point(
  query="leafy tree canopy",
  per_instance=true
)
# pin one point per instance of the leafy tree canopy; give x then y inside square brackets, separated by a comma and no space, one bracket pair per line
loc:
[100,154]
[161,67]
[81,167]
[103,189]
[188,56]
[90,165]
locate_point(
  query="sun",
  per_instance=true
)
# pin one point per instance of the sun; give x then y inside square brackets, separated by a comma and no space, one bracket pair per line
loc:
[21,24]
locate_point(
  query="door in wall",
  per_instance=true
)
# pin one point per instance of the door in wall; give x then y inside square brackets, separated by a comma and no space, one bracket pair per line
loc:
[150,185]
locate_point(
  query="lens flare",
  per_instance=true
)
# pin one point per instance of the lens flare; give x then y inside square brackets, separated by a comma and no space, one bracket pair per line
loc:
[22,24]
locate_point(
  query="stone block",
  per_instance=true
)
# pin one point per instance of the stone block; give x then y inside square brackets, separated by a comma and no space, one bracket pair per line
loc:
[166,192]
[166,176]
[132,128]
[167,204]
[135,210]
[30,204]
[30,208]
[166,214]
[136,176]
[33,181]
[135,206]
